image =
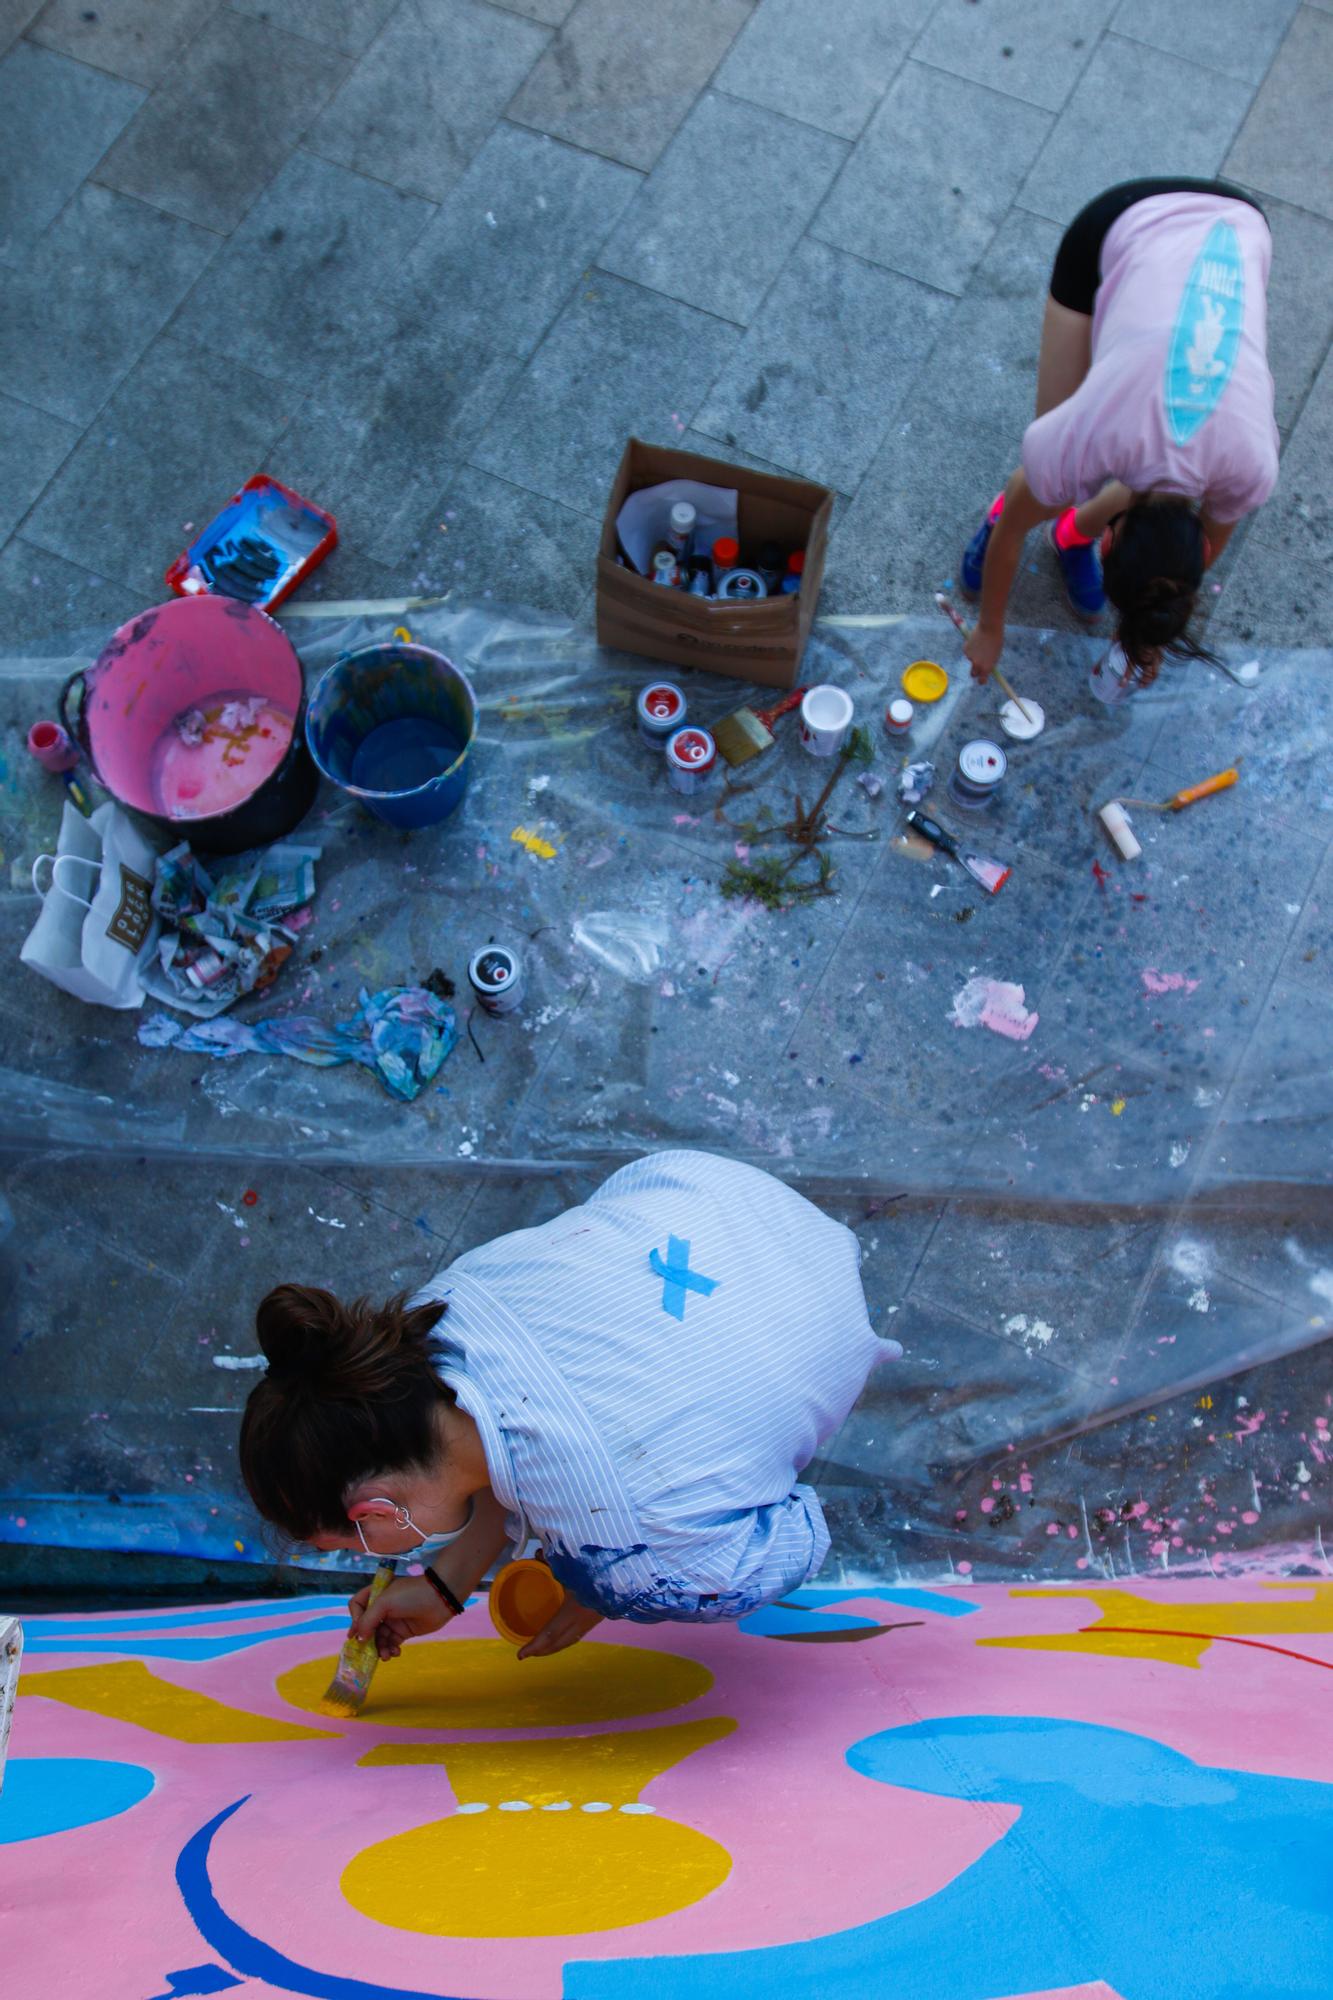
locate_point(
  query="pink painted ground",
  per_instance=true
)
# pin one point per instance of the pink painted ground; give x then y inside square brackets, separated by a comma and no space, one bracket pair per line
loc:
[815,1847]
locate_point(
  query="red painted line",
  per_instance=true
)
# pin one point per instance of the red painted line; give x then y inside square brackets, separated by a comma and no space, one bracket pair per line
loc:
[1211,1639]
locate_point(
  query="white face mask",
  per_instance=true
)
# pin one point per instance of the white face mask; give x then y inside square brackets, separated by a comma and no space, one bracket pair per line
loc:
[382,1509]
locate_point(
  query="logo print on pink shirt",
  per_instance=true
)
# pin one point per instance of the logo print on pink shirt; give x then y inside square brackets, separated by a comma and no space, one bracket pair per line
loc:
[1206,337]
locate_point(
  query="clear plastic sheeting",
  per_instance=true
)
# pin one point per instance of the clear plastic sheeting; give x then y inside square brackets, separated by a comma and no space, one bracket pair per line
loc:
[1104,1237]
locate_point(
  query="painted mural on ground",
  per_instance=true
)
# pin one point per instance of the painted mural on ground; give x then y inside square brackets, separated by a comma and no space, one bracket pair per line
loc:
[953,1794]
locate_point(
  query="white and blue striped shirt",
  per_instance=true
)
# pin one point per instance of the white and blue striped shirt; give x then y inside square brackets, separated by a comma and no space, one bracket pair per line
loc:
[650,1371]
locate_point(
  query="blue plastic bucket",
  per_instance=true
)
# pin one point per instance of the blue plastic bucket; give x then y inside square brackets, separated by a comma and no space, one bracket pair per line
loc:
[392,725]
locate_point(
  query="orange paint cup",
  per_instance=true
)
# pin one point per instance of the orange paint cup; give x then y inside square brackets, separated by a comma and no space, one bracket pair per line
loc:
[524,1598]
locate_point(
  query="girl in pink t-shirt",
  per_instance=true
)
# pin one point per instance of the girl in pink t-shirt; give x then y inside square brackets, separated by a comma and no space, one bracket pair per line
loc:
[1154,431]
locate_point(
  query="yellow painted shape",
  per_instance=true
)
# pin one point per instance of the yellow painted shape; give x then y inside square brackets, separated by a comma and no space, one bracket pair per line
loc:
[1155,1619]
[1117,1106]
[534,843]
[554,1869]
[127,1691]
[1115,1645]
[481,1684]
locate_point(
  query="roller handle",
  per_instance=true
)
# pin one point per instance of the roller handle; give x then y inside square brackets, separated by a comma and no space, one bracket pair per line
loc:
[1222,781]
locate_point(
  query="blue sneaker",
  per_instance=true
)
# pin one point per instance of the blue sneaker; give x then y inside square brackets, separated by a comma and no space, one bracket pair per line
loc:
[1081,569]
[974,558]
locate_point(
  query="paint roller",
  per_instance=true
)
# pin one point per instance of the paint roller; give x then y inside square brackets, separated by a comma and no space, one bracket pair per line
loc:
[1115,819]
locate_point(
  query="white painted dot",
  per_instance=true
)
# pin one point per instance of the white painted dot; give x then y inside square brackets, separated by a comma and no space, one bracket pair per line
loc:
[515,1805]
[563,1806]
[638,1809]
[475,1805]
[597,1805]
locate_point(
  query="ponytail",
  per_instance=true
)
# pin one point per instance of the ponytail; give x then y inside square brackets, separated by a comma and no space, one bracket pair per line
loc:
[350,1391]
[1152,572]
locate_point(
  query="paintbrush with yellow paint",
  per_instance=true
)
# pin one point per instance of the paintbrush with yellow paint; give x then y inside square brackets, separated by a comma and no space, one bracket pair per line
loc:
[345,1694]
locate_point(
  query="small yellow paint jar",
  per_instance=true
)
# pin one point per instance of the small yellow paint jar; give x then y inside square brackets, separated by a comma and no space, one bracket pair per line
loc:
[524,1598]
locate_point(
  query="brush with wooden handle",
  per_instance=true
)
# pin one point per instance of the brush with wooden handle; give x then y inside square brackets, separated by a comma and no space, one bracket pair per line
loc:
[345,1694]
[950,613]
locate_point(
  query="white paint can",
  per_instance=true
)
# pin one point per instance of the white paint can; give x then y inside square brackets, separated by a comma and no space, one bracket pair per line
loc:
[826,719]
[496,977]
[691,755]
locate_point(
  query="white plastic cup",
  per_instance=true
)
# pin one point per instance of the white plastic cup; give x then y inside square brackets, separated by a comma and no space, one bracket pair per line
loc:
[826,720]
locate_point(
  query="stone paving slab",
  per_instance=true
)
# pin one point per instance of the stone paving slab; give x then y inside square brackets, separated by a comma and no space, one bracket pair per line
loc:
[1297,97]
[137,39]
[1133,114]
[704,233]
[422,100]
[1036,53]
[797,59]
[622,89]
[211,138]
[892,204]
[1238,38]
[57,119]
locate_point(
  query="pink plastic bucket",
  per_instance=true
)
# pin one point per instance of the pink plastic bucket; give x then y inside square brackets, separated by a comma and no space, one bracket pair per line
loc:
[164,681]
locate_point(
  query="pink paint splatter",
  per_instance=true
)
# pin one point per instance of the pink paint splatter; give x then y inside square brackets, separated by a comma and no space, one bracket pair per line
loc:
[1166,982]
[1247,1426]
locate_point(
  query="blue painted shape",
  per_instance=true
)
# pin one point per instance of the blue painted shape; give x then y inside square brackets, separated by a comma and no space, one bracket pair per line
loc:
[197,1979]
[1128,1863]
[1206,337]
[786,1621]
[677,1277]
[249,1955]
[183,1649]
[947,1603]
[55,1794]
[172,1621]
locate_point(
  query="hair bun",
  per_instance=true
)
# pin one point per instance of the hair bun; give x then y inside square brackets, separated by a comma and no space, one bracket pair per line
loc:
[312,1341]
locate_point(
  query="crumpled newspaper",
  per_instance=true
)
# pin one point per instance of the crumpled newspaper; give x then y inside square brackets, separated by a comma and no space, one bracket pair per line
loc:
[221,934]
[403,1033]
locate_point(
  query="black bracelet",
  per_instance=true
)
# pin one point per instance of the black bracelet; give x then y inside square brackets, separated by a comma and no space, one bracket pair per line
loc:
[438,1584]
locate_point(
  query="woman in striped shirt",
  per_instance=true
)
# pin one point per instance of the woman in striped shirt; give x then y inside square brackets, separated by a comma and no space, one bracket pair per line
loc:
[636,1384]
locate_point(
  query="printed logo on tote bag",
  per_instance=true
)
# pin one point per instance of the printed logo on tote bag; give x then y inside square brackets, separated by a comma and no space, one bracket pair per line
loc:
[134,912]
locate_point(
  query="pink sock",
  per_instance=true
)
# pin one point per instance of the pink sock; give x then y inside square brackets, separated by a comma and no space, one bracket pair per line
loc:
[1067,535]
[997,508]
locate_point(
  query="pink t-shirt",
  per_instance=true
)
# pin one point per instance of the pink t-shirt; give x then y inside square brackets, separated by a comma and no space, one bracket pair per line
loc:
[1178,397]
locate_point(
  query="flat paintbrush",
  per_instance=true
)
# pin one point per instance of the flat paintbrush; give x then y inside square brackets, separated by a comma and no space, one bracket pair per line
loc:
[347,1691]
[745,733]
[992,875]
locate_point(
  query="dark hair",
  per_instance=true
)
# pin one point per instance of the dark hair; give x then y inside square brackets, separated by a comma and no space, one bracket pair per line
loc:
[350,1390]
[1152,572]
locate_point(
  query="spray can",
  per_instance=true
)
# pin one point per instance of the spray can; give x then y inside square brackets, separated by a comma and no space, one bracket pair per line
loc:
[978,774]
[661,712]
[726,555]
[496,977]
[791,582]
[665,569]
[691,755]
[772,566]
[680,533]
[741,586]
[898,716]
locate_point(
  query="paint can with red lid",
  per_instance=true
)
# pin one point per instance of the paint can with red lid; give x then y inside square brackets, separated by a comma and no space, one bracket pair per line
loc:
[661,710]
[691,756]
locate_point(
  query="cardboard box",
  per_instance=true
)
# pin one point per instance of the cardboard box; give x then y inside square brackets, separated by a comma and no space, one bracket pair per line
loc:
[753,642]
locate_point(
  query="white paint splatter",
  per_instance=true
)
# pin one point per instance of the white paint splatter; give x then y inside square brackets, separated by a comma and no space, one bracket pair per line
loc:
[1032,1332]
[1191,1260]
[1180,1152]
[329,1221]
[1303,1474]
[235,1361]
[996,1004]
[238,1220]
[1199,1300]
[1204,1097]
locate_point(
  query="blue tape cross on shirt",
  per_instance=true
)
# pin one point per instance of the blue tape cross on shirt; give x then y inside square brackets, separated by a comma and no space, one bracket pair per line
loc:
[677,1277]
